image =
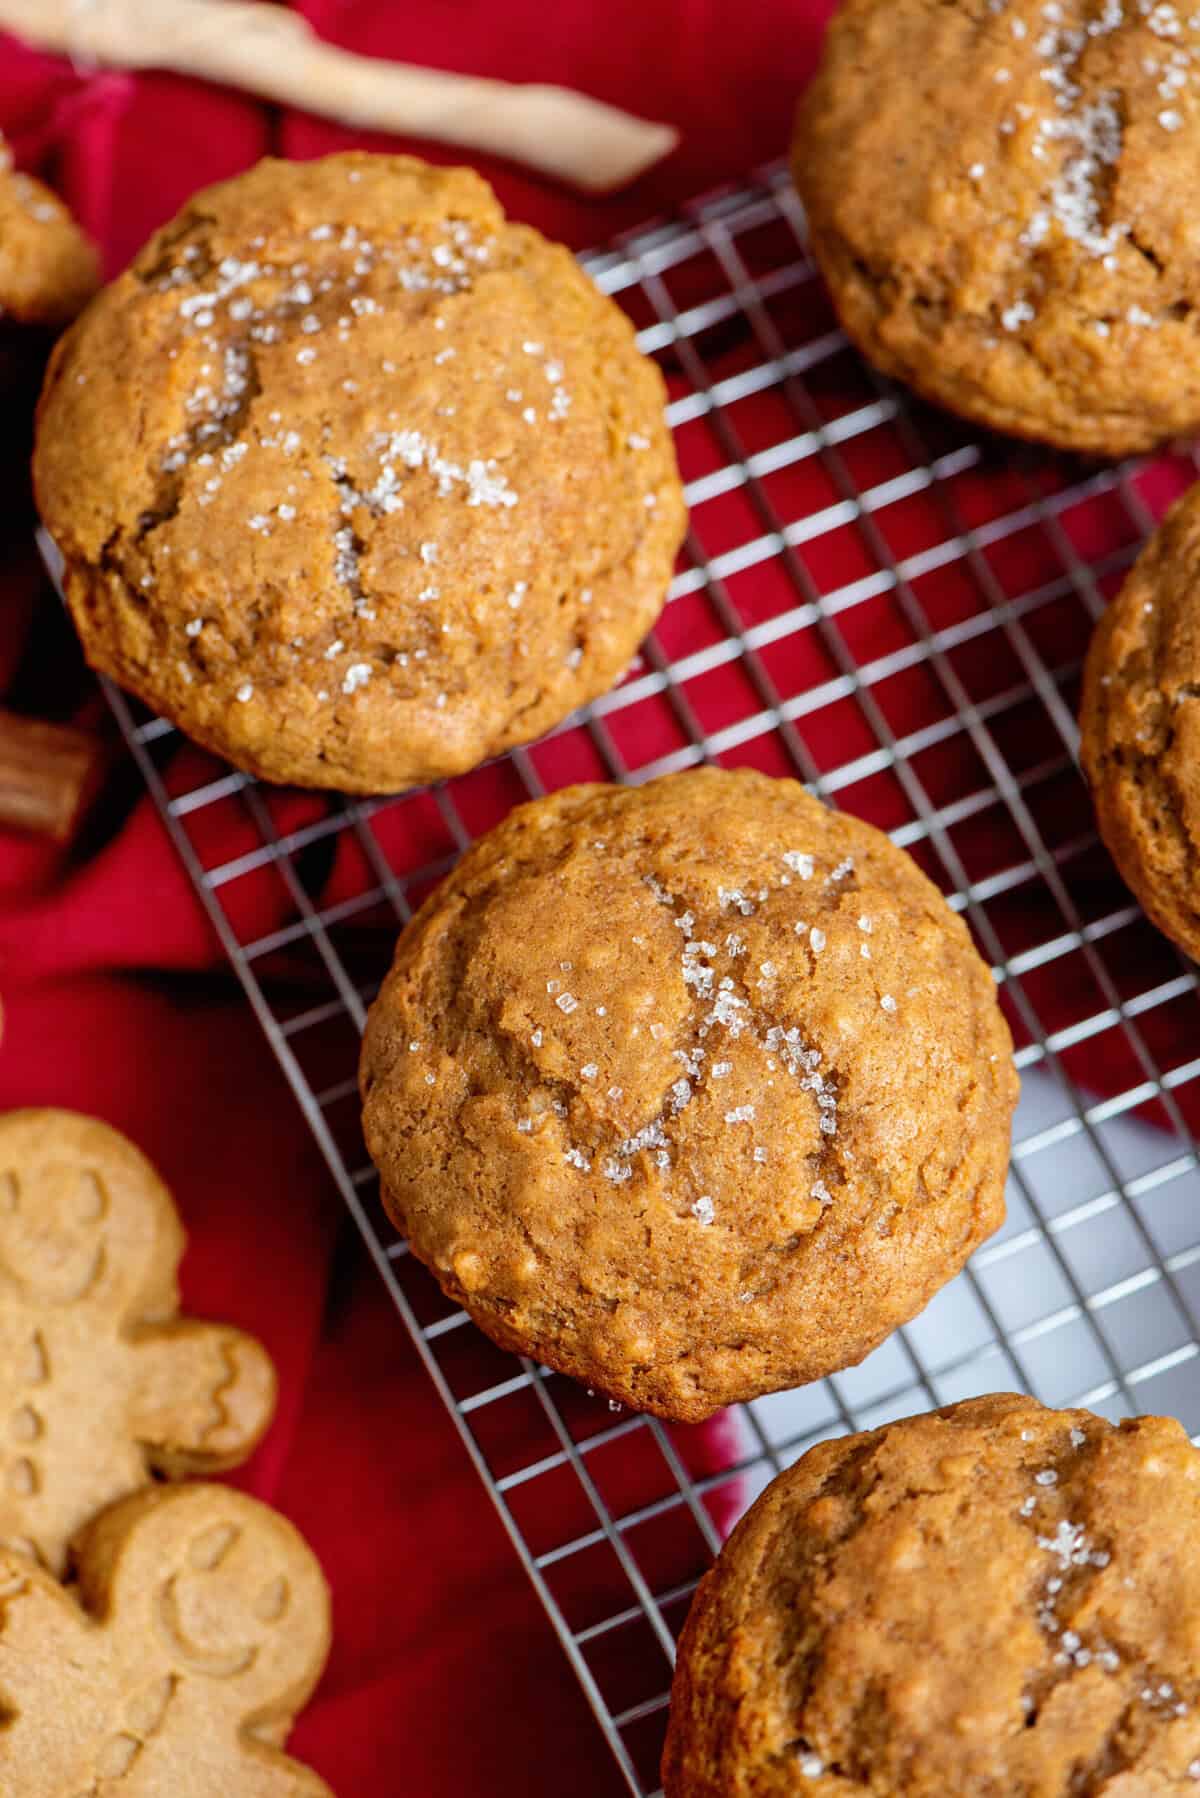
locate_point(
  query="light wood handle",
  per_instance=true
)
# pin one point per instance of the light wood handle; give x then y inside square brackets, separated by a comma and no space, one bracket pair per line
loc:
[274,53]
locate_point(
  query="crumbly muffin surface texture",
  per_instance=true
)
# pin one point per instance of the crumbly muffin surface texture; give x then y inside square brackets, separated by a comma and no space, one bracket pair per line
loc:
[48,268]
[1000,197]
[996,1600]
[356,481]
[1140,726]
[693,1090]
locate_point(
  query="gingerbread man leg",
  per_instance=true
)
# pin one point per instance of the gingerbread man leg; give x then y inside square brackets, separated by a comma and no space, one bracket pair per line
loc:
[264,1772]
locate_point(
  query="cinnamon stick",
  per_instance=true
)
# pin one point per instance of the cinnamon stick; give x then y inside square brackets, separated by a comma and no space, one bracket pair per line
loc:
[274,53]
[46,770]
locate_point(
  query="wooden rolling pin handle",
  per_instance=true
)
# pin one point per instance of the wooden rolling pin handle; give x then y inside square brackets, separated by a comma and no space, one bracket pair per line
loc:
[46,772]
[276,54]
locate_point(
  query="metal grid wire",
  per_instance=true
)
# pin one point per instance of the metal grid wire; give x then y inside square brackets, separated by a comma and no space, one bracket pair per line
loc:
[895,612]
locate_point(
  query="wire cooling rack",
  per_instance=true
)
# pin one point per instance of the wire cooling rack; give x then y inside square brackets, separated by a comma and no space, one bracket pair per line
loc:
[878,602]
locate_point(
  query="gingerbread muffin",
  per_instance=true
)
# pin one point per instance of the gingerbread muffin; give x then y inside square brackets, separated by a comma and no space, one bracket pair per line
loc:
[48,269]
[693,1091]
[354,480]
[993,1601]
[1140,726]
[1000,198]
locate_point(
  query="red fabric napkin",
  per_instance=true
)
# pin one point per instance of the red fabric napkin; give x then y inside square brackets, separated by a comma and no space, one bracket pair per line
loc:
[445,1678]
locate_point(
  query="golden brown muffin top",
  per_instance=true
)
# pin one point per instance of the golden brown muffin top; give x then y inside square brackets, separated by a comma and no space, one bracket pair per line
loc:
[1140,725]
[1000,194]
[993,1601]
[694,1090]
[48,268]
[356,481]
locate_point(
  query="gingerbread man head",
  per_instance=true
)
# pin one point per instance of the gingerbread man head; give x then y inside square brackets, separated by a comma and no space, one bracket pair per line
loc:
[102,1383]
[197,1626]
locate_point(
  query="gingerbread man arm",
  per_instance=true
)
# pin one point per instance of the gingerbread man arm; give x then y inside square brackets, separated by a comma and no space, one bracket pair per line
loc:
[264,1772]
[41,1631]
[202,1395]
[37,1619]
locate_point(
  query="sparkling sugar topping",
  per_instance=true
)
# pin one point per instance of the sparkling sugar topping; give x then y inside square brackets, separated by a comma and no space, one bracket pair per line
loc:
[728,1001]
[1093,133]
[34,201]
[1072,1557]
[1070,1549]
[232,310]
[485,486]
[1084,132]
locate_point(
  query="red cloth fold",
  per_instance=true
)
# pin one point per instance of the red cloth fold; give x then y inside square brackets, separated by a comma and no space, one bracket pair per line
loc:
[445,1678]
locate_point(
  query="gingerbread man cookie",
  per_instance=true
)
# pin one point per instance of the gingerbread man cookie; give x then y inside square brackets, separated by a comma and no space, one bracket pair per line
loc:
[197,1626]
[102,1383]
